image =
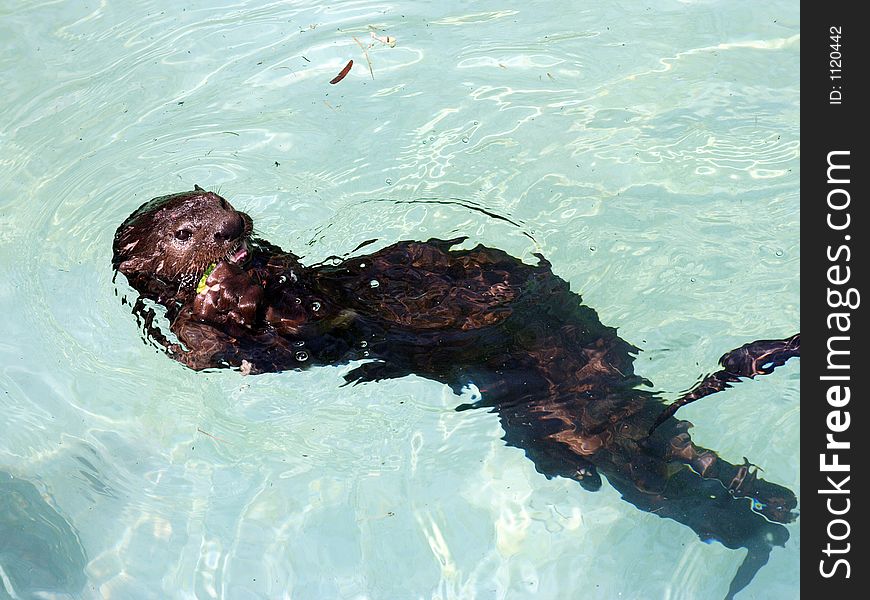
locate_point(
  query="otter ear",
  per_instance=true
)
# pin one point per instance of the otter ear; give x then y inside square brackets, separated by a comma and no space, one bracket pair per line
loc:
[196,188]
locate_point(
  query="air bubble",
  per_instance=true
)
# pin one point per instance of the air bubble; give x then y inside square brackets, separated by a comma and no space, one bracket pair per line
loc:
[302,356]
[282,279]
[465,139]
[374,283]
[388,181]
[315,306]
[779,253]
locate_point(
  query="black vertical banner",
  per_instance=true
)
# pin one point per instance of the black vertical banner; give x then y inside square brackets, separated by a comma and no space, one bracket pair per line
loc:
[835,431]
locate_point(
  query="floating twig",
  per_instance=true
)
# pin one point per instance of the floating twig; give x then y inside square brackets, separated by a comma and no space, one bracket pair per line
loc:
[366,54]
[214,437]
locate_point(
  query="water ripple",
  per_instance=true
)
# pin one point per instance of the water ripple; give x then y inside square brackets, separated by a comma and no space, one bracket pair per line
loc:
[654,161]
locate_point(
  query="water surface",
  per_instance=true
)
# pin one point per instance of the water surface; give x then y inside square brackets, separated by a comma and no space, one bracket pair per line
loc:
[649,151]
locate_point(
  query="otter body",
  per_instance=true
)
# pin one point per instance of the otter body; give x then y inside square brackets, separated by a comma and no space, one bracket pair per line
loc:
[562,383]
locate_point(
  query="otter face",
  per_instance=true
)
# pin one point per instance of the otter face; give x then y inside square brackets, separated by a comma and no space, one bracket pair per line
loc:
[176,237]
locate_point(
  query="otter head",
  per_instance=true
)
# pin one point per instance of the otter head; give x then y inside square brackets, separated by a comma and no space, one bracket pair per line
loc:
[173,239]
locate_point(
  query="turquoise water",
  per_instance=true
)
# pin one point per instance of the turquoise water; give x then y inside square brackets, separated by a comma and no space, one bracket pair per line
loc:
[649,150]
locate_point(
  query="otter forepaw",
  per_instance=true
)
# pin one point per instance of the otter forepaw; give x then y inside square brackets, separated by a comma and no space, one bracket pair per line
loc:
[228,296]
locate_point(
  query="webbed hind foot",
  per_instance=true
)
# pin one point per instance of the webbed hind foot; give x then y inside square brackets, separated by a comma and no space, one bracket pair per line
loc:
[773,501]
[755,358]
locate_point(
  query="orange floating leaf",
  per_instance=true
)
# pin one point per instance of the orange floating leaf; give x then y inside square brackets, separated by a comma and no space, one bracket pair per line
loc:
[343,73]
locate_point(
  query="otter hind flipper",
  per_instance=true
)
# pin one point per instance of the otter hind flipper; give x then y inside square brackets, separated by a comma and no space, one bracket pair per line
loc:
[755,358]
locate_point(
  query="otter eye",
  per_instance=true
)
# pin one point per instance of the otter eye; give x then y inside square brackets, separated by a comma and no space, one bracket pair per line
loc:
[182,235]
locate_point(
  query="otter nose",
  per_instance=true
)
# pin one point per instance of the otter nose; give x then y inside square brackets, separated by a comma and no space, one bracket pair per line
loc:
[230,229]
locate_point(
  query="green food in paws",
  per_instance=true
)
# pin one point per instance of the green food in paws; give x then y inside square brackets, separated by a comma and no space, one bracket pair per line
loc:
[201,286]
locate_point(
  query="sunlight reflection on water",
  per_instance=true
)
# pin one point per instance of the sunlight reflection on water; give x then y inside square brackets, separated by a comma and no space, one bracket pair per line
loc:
[652,155]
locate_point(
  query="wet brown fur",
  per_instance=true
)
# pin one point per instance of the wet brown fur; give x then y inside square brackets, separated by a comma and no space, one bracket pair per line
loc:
[562,383]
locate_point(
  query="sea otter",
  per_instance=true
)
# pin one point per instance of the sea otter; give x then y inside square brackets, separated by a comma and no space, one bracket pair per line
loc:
[561,382]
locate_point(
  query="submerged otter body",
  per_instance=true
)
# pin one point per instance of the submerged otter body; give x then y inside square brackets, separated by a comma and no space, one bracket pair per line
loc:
[561,382]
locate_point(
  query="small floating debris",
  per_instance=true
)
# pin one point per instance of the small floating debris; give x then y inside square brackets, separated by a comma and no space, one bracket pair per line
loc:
[386,40]
[343,73]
